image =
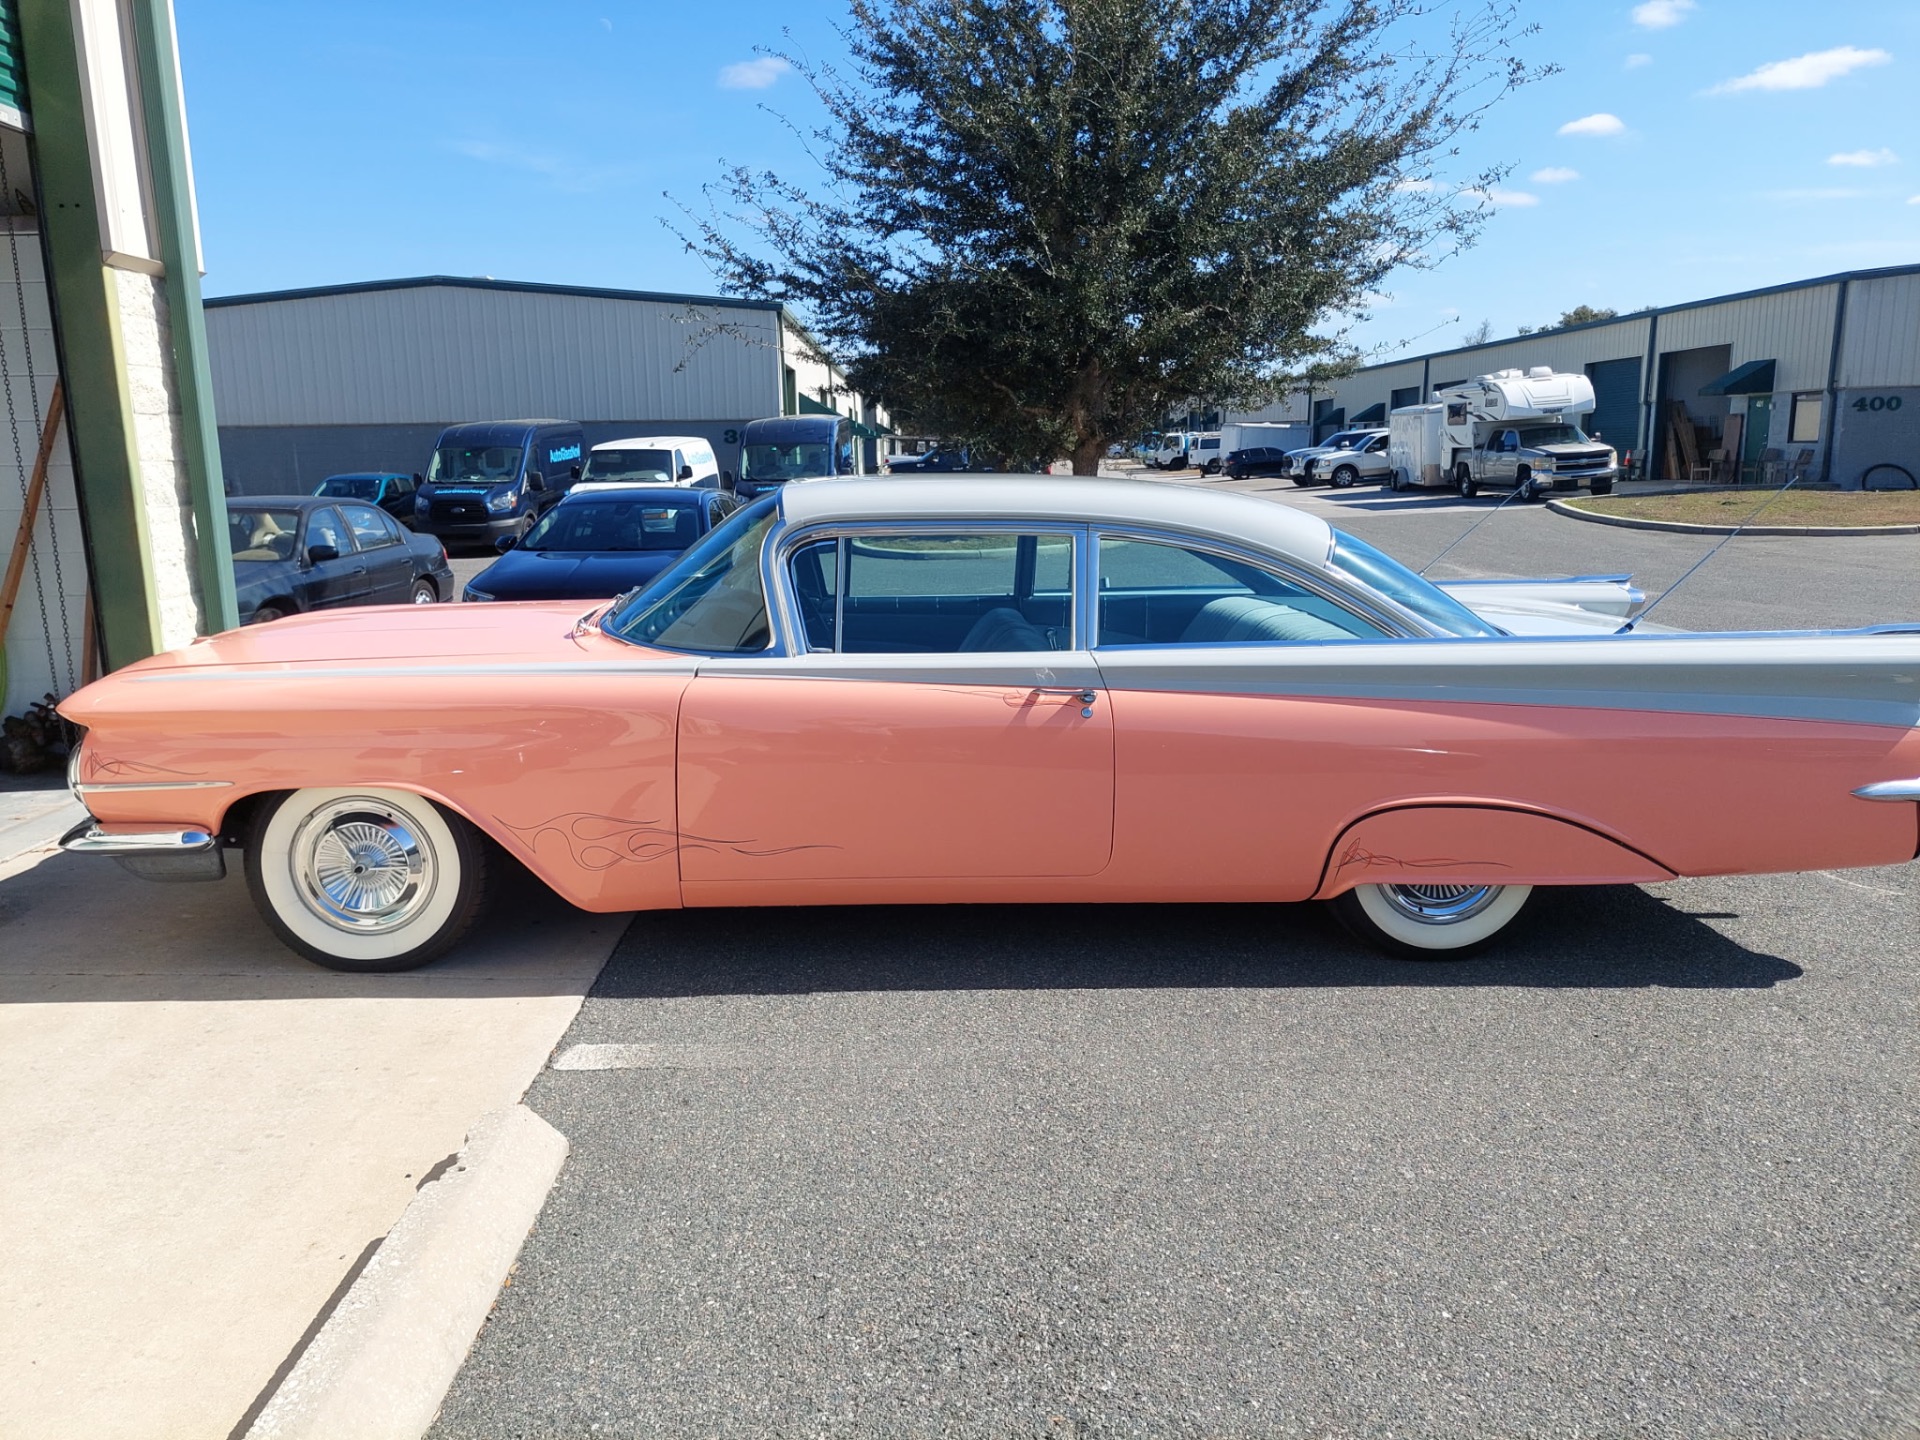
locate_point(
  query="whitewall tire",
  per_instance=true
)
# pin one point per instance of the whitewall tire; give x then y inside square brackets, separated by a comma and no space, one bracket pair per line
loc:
[365,879]
[1430,922]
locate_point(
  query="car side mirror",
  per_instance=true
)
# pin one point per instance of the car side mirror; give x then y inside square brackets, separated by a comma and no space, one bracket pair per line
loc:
[573,472]
[506,543]
[728,482]
[686,472]
[320,554]
[536,481]
[418,478]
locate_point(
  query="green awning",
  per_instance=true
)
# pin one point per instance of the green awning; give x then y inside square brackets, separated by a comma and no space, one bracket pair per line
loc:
[867,432]
[1753,378]
[1372,415]
[811,406]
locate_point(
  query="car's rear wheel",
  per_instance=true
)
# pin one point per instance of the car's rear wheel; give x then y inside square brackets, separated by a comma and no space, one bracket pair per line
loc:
[1344,476]
[366,880]
[425,592]
[263,613]
[1463,481]
[1430,922]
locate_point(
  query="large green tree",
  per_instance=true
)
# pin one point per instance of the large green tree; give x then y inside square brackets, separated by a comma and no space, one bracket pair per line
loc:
[1046,224]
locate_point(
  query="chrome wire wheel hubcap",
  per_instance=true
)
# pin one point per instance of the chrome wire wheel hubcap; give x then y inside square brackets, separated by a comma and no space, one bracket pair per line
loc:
[1440,904]
[361,867]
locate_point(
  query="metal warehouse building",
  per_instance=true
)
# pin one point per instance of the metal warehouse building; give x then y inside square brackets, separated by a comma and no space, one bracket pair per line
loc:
[1820,378]
[312,383]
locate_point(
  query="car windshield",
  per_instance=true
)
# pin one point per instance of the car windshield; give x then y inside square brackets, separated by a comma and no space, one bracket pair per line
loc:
[474,465]
[1359,561]
[351,487]
[261,535]
[616,524]
[636,467]
[786,462]
[711,599]
[1552,435]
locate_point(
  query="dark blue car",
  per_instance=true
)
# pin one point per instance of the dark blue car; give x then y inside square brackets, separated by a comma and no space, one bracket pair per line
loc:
[295,553]
[391,491]
[598,543]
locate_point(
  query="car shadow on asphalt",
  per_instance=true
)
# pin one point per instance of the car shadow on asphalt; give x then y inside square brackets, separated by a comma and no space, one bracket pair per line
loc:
[1588,938]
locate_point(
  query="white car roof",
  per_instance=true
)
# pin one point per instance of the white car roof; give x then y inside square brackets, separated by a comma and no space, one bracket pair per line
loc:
[1217,513]
[654,442]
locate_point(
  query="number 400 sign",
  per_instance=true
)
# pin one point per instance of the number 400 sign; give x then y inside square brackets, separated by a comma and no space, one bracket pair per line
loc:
[1876,403]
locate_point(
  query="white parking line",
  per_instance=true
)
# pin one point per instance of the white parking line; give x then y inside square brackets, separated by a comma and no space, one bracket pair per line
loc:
[662,1057]
[1856,885]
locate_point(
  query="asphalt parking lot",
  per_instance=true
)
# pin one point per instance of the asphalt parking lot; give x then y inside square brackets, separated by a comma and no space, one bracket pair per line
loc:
[1646,1169]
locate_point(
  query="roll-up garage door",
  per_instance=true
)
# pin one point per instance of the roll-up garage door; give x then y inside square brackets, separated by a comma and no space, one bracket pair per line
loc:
[1616,397]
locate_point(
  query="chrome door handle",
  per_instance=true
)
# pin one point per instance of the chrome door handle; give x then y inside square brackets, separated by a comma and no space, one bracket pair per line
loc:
[1084,696]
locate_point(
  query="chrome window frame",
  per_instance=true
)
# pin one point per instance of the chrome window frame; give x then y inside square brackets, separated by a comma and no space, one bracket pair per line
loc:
[784,543]
[1398,622]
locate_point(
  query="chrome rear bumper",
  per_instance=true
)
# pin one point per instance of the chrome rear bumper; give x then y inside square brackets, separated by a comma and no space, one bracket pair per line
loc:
[186,854]
[1891,790]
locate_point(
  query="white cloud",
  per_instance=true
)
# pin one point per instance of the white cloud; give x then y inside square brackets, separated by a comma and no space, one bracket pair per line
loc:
[1601,124]
[753,74]
[1414,187]
[1510,199]
[1554,175]
[1661,14]
[1635,61]
[1914,200]
[1804,72]
[1865,159]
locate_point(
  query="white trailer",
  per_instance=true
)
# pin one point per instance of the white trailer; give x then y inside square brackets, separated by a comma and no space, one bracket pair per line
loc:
[1417,448]
[1277,436]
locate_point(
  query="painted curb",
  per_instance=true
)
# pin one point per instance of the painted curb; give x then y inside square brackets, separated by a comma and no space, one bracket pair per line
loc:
[1681,527]
[382,1364]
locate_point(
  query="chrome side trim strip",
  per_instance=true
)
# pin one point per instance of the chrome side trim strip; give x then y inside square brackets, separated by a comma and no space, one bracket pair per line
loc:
[1891,790]
[104,787]
[88,838]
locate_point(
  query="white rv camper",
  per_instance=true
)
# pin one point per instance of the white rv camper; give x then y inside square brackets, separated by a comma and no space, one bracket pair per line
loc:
[1511,430]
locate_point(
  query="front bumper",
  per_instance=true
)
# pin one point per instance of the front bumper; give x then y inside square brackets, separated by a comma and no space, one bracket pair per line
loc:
[491,529]
[190,853]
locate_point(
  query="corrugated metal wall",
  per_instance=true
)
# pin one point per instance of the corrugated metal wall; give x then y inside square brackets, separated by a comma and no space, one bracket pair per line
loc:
[1882,342]
[1792,327]
[446,353]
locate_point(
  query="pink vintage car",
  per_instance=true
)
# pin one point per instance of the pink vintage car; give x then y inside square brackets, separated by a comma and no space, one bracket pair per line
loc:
[999,690]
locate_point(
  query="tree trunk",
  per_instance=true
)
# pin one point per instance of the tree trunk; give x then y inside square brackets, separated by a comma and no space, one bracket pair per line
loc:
[1087,455]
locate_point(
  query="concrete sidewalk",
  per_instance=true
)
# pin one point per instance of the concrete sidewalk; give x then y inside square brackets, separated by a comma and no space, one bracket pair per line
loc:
[204,1133]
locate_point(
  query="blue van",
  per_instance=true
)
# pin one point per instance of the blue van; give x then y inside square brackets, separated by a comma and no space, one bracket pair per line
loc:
[496,477]
[793,447]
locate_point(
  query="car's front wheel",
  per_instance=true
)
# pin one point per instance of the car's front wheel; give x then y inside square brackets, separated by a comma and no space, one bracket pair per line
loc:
[1345,476]
[365,880]
[1430,922]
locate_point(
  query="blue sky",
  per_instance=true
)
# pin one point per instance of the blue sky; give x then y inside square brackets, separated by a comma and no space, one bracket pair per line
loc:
[1689,148]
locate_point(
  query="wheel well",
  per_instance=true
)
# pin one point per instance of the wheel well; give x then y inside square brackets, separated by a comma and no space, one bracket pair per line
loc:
[237,824]
[429,581]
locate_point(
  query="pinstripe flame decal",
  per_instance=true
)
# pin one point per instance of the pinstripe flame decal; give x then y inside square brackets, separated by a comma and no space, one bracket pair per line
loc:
[600,842]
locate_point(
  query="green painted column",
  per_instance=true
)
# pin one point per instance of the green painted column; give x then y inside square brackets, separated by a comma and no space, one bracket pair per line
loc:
[136,612]
[180,245]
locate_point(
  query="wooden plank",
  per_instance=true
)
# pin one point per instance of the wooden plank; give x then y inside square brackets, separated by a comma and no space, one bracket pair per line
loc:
[29,512]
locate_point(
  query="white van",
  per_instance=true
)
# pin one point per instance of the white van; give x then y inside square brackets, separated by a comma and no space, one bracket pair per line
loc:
[651,460]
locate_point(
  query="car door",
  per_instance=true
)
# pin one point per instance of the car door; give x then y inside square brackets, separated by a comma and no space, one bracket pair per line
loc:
[1221,790]
[942,722]
[327,580]
[384,552]
[1373,462]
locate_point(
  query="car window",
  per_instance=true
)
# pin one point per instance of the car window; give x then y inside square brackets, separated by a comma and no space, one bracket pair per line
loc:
[598,522]
[1377,446]
[1156,592]
[937,593]
[402,485]
[325,528]
[371,528]
[261,535]
[711,600]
